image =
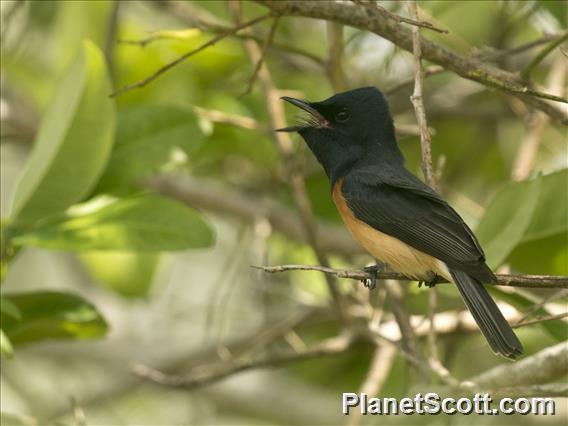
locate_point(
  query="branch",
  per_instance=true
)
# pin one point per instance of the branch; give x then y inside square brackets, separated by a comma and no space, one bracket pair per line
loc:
[283,142]
[211,196]
[265,46]
[379,369]
[498,54]
[207,374]
[388,28]
[541,319]
[183,57]
[545,390]
[526,73]
[418,102]
[399,19]
[334,66]
[235,120]
[508,280]
[433,70]
[548,364]
[526,155]
[199,17]
[409,341]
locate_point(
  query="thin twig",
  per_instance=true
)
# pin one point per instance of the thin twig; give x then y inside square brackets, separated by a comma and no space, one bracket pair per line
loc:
[541,319]
[418,102]
[200,18]
[260,61]
[508,280]
[417,99]
[538,306]
[112,27]
[334,67]
[183,57]
[416,22]
[498,54]
[432,70]
[526,72]
[526,155]
[409,341]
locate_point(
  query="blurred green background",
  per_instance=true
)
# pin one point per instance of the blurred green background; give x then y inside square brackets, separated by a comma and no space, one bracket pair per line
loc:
[99,273]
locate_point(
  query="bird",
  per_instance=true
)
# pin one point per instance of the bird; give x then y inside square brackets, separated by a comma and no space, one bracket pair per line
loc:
[396,217]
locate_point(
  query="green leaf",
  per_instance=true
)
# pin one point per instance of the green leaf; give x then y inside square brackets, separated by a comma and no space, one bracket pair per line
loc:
[149,138]
[5,345]
[52,315]
[144,223]
[73,142]
[506,219]
[129,274]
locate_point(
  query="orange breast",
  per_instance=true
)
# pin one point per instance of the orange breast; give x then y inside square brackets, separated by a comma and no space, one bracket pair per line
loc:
[386,249]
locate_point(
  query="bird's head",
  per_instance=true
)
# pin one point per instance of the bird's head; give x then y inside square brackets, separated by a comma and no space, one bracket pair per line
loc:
[348,128]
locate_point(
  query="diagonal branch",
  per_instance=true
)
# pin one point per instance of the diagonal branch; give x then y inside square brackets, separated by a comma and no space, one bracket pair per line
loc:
[388,28]
[265,46]
[183,57]
[208,374]
[414,21]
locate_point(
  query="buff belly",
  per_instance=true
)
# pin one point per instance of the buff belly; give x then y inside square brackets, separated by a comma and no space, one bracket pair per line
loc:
[386,249]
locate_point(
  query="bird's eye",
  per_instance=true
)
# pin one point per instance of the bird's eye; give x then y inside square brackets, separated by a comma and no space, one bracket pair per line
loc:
[342,116]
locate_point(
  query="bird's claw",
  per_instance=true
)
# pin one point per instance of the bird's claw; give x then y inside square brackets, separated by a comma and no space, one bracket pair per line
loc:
[371,282]
[430,281]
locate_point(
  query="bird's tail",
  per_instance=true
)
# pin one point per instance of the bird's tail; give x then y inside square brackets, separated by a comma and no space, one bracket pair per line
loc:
[487,315]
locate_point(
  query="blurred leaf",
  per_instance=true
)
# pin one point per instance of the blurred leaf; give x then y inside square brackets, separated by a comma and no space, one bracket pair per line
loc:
[73,142]
[9,419]
[506,219]
[127,273]
[8,308]
[149,138]
[556,8]
[551,215]
[545,256]
[144,223]
[52,315]
[5,346]
[544,246]
[557,329]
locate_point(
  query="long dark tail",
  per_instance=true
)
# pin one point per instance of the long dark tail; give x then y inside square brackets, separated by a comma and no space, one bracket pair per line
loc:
[487,315]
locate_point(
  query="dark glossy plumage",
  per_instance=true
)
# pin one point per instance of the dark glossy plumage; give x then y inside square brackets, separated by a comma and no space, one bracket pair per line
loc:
[352,136]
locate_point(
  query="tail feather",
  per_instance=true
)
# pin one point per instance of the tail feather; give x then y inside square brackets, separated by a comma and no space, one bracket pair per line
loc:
[487,315]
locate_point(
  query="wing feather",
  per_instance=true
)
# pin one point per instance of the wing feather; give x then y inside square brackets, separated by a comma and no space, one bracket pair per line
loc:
[402,206]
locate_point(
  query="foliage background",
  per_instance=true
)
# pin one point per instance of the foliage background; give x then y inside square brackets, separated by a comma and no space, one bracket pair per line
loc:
[132,277]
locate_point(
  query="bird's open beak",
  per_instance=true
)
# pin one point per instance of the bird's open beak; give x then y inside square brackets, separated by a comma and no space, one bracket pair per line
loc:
[316,115]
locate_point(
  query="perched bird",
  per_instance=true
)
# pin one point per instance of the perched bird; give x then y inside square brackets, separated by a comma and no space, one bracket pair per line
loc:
[397,218]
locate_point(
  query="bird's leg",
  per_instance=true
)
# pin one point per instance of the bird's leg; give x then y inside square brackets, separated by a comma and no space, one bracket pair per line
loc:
[372,270]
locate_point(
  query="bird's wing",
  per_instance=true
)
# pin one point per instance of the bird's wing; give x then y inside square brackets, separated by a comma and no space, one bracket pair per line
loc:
[400,205]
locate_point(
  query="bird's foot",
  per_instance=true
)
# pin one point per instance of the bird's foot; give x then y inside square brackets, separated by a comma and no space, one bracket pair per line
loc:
[430,281]
[372,270]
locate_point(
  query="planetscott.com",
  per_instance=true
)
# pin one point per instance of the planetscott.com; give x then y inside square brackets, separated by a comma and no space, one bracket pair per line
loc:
[432,403]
